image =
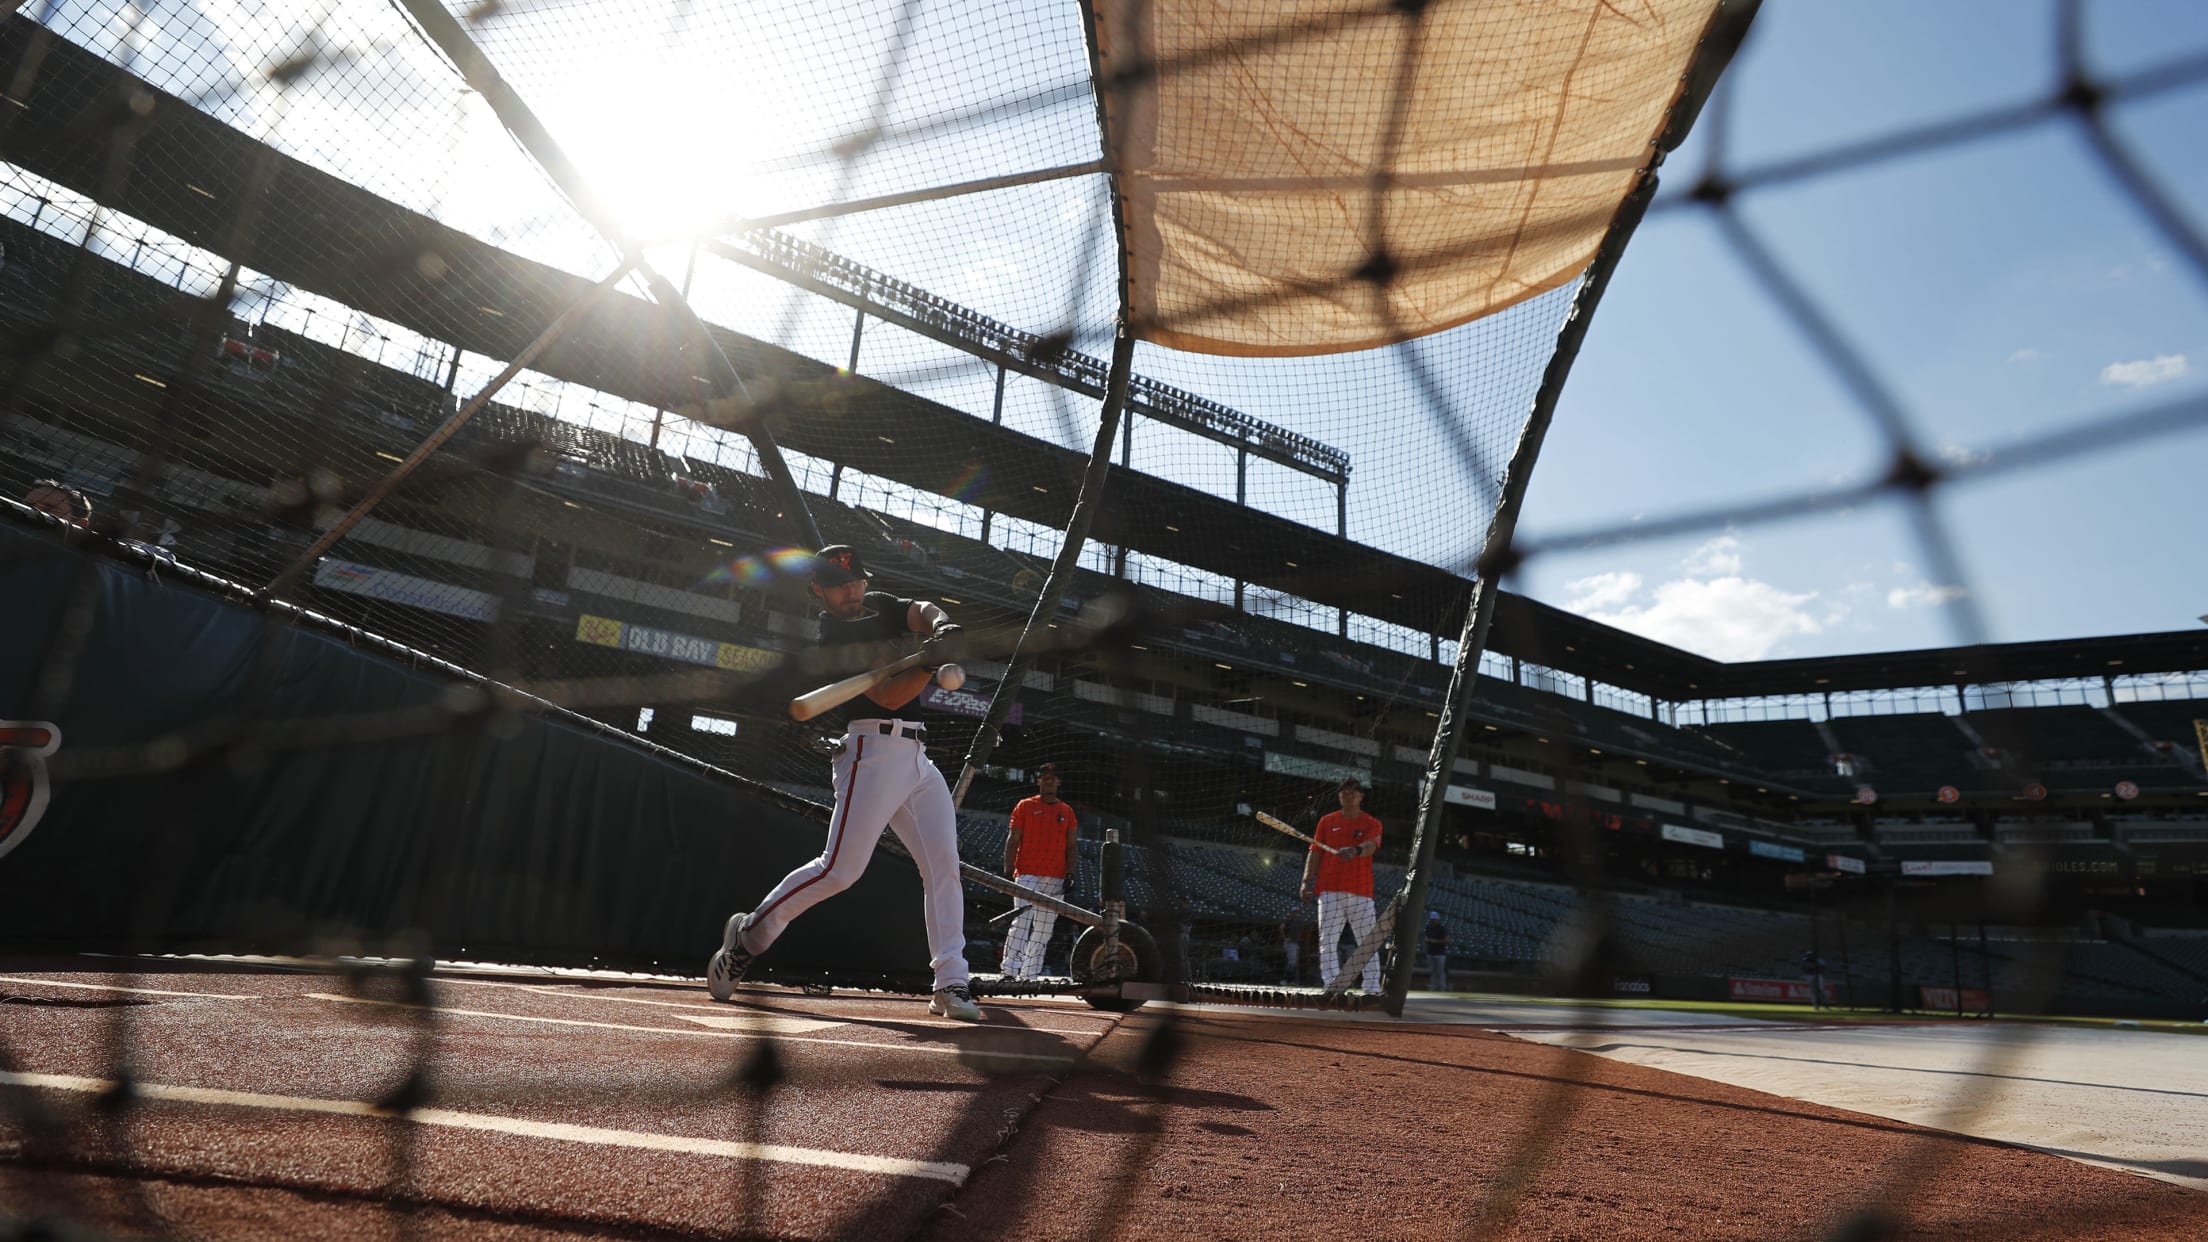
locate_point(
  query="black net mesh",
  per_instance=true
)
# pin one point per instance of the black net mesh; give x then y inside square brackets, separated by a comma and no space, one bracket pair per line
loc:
[319,320]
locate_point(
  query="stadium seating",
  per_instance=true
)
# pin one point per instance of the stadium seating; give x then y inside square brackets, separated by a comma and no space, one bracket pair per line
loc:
[1783,747]
[2065,732]
[2187,954]
[1916,752]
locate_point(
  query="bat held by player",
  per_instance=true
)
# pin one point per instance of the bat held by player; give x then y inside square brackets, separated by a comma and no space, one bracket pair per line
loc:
[1280,825]
[837,693]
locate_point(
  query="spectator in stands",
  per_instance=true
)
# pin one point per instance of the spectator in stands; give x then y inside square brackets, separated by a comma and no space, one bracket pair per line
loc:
[57,500]
[1813,968]
[1291,950]
[1338,871]
[1039,853]
[1437,952]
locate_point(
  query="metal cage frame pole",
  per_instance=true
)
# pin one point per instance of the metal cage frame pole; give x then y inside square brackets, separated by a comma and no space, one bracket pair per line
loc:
[1479,612]
[1062,569]
[477,71]
[1728,27]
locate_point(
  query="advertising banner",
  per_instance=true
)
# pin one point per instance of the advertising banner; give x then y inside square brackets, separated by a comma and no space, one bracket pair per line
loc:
[971,699]
[1463,795]
[1784,853]
[629,636]
[1947,868]
[1841,862]
[1632,985]
[1312,769]
[398,588]
[1792,991]
[1973,1000]
[1694,836]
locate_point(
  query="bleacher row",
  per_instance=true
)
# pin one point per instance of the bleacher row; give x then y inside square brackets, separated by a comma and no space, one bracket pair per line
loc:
[1999,749]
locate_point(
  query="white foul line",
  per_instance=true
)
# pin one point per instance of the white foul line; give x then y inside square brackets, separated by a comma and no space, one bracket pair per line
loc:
[572,994]
[890,1165]
[945,1050]
[109,987]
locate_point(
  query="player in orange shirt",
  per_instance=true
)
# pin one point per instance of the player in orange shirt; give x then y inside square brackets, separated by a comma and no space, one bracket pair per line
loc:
[1039,853]
[1342,881]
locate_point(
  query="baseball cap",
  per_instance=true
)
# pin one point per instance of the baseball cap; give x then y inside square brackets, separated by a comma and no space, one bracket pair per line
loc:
[1048,769]
[1351,782]
[837,564]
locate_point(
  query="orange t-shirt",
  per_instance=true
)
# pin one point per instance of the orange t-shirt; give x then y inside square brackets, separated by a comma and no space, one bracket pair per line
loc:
[1044,828]
[1338,874]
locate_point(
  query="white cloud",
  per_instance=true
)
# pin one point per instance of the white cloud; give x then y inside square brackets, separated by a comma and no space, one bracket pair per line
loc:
[1961,454]
[1923,595]
[2026,354]
[1711,608]
[2146,372]
[1729,618]
[1589,595]
[1718,557]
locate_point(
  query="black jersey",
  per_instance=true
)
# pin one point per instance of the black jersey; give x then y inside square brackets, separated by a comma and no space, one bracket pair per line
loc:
[882,626]
[883,622]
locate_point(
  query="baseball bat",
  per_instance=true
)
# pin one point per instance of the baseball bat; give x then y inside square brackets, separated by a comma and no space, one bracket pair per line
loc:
[1279,825]
[837,693]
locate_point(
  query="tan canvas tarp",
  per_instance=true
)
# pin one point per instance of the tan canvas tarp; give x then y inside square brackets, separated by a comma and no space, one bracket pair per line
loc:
[1247,161]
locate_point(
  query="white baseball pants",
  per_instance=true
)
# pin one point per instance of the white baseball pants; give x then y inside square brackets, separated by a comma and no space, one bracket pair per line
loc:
[1336,910]
[881,780]
[1031,927]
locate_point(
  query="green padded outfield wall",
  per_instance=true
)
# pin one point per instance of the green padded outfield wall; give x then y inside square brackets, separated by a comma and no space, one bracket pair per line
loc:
[535,839]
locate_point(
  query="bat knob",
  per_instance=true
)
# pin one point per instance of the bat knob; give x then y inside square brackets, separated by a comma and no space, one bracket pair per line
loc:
[950,677]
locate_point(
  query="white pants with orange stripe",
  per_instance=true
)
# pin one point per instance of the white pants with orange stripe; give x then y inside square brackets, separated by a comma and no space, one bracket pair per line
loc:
[882,781]
[1031,928]
[1335,910]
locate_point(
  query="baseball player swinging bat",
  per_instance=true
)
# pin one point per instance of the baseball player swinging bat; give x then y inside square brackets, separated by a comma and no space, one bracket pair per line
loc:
[1279,825]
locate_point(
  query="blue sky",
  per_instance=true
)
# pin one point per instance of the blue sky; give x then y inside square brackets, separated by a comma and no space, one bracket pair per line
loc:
[2000,289]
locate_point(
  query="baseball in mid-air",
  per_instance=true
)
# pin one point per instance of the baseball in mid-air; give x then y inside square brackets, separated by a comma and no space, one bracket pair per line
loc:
[950,677]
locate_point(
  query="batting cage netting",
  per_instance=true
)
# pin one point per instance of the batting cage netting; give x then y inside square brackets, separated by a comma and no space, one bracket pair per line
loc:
[439,406]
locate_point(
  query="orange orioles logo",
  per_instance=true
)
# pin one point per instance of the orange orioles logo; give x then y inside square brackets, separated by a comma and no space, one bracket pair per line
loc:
[842,560]
[24,789]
